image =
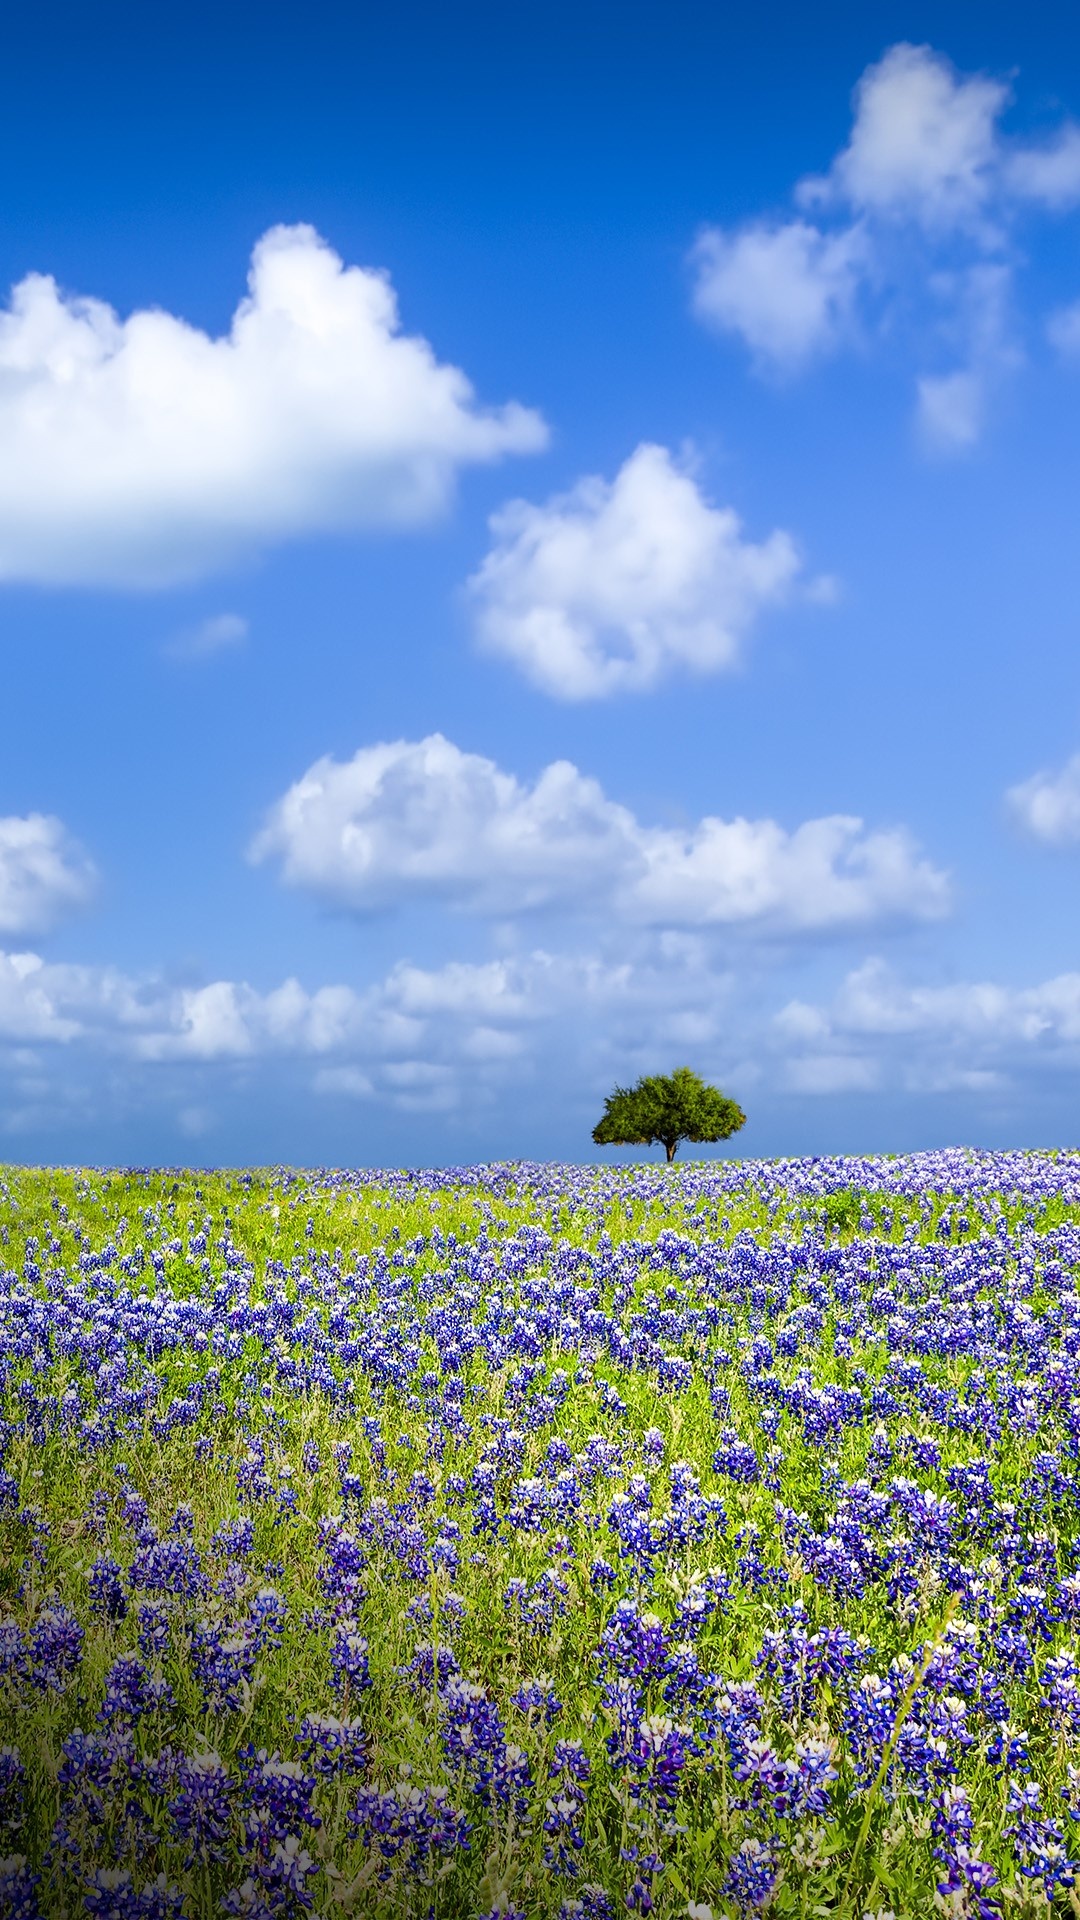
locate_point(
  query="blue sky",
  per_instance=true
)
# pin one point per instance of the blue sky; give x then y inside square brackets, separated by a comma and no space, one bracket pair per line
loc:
[537,546]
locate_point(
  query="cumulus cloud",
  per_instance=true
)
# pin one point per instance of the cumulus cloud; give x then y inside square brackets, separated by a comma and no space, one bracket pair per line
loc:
[422,819]
[924,144]
[44,874]
[466,1034]
[873,1000]
[611,586]
[151,1019]
[907,234]
[139,452]
[964,1035]
[788,290]
[1048,805]
[1049,173]
[418,1039]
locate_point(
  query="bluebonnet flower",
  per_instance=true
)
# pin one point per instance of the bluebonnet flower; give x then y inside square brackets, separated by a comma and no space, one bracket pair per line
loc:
[1067,1597]
[735,1459]
[334,1747]
[429,1667]
[706,1593]
[56,1645]
[134,1511]
[416,1825]
[736,1719]
[171,1567]
[235,1540]
[154,1620]
[223,1661]
[1007,1747]
[639,1898]
[968,1880]
[472,1732]
[278,1799]
[12,1791]
[267,1616]
[752,1874]
[588,1903]
[202,1811]
[656,1755]
[14,1653]
[349,1661]
[110,1895]
[952,1821]
[1040,1843]
[537,1696]
[564,1819]
[539,1605]
[18,1888]
[132,1691]
[1061,1691]
[633,1644]
[811,1775]
[107,1597]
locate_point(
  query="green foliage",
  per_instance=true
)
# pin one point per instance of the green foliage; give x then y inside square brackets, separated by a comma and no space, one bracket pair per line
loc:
[668,1107]
[843,1209]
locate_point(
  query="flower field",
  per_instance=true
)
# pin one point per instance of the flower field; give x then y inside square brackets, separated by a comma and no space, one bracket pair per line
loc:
[542,1541]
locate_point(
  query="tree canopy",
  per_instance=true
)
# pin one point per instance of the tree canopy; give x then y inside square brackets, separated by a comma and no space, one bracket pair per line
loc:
[668,1107]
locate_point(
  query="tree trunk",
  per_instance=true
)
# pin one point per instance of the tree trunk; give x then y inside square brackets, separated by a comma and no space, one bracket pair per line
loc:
[669,1149]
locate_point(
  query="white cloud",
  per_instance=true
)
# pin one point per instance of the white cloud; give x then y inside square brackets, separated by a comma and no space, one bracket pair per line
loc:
[420,1039]
[832,1073]
[924,143]
[550,1024]
[28,1010]
[788,290]
[907,238]
[44,874]
[1050,173]
[609,587]
[414,820]
[967,1035]
[954,406]
[217,634]
[142,452]
[873,1001]
[951,407]
[40,1000]
[1063,330]
[1048,805]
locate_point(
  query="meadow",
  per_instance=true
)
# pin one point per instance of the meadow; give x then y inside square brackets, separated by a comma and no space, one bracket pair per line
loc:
[542,1541]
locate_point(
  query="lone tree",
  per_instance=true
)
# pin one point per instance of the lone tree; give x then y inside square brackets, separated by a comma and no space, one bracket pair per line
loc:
[669,1107]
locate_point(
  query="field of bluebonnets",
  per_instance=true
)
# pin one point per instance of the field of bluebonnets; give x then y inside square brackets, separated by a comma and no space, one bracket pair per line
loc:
[542,1541]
